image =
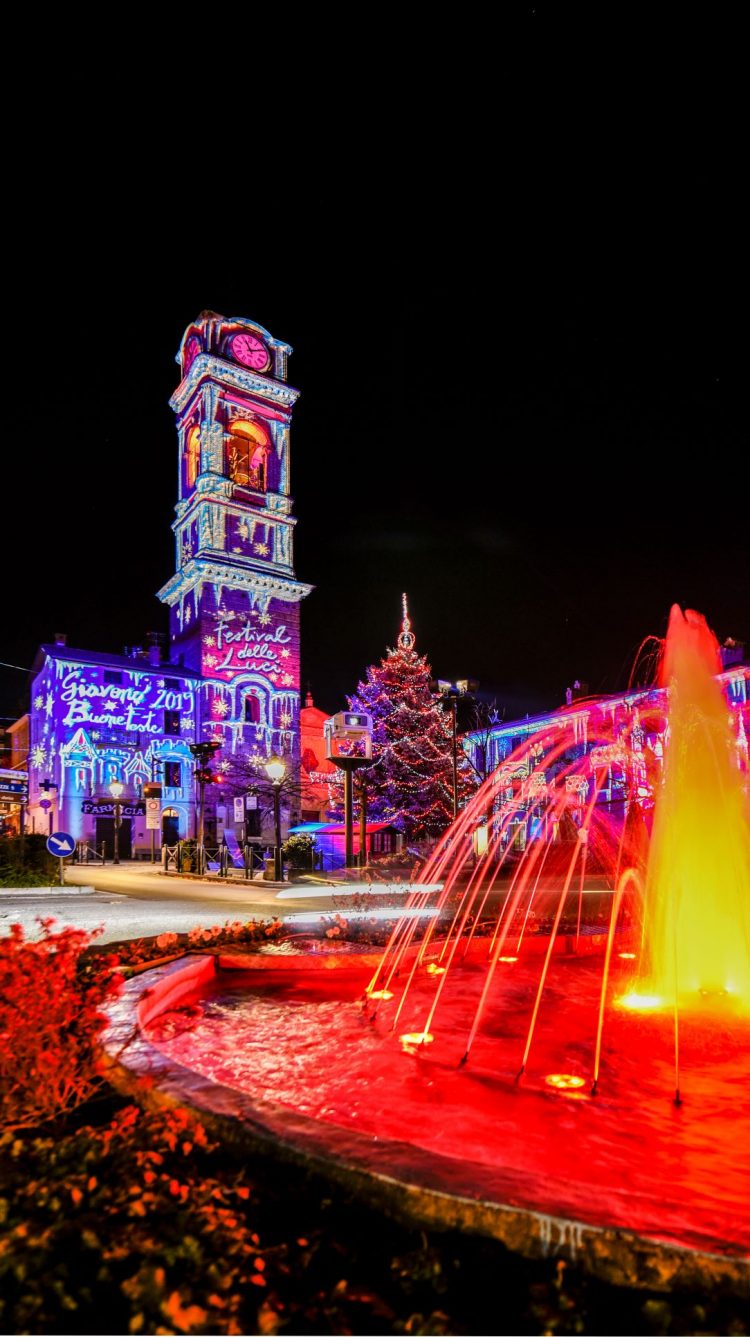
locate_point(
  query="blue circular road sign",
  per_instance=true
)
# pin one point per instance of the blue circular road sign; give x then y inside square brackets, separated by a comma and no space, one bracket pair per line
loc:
[61,844]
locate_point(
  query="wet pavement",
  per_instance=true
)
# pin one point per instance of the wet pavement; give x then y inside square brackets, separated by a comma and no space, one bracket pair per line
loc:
[131,900]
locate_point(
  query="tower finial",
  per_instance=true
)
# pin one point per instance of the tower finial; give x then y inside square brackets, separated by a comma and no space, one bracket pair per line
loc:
[407,638]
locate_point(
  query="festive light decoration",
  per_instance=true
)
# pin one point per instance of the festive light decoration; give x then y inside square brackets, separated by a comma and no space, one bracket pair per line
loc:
[234,600]
[99,724]
[234,604]
[410,783]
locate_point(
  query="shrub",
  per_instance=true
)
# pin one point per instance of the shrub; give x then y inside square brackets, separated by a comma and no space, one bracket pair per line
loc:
[120,1226]
[25,877]
[188,855]
[299,851]
[51,998]
[25,861]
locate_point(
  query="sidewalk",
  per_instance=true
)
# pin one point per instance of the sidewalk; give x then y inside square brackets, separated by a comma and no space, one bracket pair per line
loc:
[136,900]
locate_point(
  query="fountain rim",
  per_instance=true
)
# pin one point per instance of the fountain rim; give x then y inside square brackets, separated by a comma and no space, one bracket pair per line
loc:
[617,1256]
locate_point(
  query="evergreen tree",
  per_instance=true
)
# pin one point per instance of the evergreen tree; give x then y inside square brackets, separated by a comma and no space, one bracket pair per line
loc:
[411,780]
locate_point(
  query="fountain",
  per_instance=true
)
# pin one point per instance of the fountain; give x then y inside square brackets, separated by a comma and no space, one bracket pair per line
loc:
[553,1048]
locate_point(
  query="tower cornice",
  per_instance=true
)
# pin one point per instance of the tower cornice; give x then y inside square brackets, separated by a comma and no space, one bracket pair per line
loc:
[206,366]
[215,488]
[201,570]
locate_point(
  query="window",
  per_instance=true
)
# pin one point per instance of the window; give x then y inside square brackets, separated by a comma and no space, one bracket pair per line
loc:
[247,454]
[172,684]
[172,774]
[172,721]
[114,679]
[252,710]
[383,842]
[193,454]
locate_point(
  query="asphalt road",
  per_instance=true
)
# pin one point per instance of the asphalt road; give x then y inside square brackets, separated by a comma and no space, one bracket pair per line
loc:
[130,901]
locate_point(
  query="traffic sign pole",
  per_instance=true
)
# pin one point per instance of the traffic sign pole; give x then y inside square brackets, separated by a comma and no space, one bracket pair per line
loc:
[61,845]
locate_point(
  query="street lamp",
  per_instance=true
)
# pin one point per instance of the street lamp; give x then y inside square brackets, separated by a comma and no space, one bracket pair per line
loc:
[203,752]
[116,790]
[450,692]
[275,769]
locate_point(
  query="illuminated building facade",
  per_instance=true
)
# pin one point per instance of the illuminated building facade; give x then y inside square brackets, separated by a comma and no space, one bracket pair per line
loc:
[628,764]
[233,670]
[98,718]
[317,773]
[234,600]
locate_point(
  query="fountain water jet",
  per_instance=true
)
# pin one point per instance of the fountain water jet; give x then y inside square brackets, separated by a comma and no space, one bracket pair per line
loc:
[462,1081]
[698,880]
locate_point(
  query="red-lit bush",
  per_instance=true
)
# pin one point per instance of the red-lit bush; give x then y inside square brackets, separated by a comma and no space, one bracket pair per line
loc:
[121,1228]
[51,1000]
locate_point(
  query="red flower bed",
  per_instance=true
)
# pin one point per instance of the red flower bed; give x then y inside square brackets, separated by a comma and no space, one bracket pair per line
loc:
[51,1001]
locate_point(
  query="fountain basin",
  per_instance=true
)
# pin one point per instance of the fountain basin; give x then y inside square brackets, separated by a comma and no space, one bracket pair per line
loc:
[276,1051]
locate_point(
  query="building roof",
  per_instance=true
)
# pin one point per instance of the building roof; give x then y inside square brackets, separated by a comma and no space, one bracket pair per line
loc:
[333,828]
[141,664]
[312,716]
[584,705]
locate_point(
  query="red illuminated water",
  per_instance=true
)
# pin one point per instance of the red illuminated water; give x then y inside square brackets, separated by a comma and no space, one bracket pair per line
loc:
[629,1157]
[581,1055]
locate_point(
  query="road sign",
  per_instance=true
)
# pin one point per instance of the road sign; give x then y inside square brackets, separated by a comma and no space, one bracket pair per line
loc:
[61,844]
[153,814]
[239,809]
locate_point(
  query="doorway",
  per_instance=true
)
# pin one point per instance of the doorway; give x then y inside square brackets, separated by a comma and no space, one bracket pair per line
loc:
[105,832]
[170,826]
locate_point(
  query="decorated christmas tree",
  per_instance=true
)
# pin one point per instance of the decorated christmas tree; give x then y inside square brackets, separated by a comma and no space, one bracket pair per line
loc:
[411,780]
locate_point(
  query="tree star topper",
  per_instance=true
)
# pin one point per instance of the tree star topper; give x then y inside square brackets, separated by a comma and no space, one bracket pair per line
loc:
[406,638]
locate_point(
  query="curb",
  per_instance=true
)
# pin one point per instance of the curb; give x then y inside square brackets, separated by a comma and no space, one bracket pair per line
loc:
[72,889]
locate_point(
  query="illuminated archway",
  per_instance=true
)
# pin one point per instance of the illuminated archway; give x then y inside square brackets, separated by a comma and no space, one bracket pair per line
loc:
[252,708]
[247,454]
[193,454]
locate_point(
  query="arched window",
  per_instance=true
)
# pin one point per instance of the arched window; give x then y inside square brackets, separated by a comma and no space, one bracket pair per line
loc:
[252,709]
[247,454]
[193,455]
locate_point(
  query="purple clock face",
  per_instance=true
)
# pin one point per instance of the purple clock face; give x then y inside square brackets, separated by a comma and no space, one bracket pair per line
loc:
[192,349]
[250,351]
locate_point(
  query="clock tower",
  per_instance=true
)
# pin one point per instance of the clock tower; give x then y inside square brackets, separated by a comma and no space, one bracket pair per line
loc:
[234,600]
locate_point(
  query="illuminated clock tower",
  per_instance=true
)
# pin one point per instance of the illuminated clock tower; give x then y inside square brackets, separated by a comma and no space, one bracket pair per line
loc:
[234,600]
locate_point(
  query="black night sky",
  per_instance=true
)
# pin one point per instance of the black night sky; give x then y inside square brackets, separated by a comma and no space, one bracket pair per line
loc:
[521,369]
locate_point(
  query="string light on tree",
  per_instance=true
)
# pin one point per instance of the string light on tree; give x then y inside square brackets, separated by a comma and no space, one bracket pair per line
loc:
[410,783]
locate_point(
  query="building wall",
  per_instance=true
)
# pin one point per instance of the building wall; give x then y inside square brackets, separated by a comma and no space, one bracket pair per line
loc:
[633,725]
[94,722]
[233,676]
[234,599]
[317,773]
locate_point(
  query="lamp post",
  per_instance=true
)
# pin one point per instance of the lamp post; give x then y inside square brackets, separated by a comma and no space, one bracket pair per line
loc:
[348,738]
[362,822]
[276,770]
[115,790]
[203,752]
[450,692]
